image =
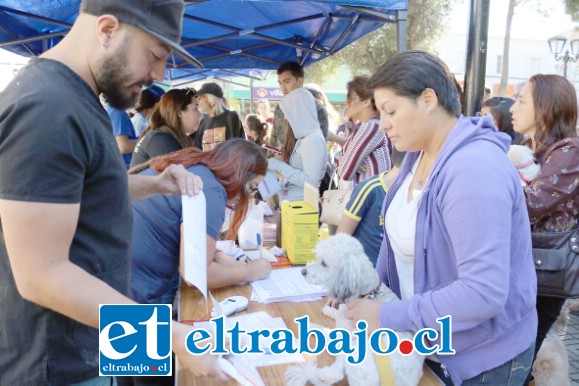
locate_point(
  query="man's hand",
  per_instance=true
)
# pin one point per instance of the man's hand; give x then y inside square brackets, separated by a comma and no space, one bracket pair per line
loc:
[364,309]
[177,180]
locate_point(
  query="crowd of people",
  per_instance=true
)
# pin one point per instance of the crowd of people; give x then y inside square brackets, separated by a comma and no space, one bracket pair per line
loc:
[436,203]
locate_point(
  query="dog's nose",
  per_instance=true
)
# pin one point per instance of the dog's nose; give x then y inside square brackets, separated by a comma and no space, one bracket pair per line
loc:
[304,272]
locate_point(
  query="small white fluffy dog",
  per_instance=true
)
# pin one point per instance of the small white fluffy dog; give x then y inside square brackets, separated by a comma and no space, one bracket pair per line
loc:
[524,161]
[551,367]
[342,266]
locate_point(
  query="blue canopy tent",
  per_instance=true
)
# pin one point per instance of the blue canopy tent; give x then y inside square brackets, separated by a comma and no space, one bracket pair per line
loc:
[224,34]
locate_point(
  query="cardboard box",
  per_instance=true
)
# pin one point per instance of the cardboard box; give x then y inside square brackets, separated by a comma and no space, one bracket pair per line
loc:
[300,220]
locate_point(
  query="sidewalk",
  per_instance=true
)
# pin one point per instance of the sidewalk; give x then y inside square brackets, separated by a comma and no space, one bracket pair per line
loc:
[571,340]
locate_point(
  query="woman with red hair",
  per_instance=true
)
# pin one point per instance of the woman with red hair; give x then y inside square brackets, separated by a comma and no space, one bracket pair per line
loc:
[229,173]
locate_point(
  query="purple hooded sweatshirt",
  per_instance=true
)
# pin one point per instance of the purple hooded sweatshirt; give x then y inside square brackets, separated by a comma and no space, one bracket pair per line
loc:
[473,256]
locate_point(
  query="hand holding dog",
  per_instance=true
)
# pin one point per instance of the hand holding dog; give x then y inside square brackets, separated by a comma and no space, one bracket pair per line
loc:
[364,309]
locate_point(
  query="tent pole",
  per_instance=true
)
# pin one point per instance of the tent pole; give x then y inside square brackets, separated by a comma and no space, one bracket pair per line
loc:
[251,96]
[401,31]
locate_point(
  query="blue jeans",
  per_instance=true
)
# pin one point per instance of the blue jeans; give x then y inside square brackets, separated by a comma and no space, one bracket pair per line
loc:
[511,373]
[97,381]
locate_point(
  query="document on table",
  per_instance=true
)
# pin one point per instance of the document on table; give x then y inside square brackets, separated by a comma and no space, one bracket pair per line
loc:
[194,235]
[285,285]
[257,321]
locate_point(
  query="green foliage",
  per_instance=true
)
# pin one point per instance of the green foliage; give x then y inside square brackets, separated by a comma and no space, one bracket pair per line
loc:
[572,9]
[427,20]
[322,71]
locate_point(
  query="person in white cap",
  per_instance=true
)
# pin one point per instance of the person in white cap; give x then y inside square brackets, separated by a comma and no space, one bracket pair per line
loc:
[65,194]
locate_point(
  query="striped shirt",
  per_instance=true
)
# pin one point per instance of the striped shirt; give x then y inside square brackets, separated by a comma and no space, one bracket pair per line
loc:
[367,146]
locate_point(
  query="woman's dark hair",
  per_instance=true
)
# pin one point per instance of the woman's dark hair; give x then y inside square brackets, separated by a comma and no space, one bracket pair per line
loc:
[409,73]
[555,102]
[359,86]
[165,117]
[234,162]
[149,98]
[289,144]
[254,122]
[500,109]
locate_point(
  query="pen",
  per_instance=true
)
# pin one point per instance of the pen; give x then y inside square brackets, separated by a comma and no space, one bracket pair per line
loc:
[259,244]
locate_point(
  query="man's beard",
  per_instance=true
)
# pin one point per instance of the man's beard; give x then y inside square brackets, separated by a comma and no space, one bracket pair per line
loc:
[112,73]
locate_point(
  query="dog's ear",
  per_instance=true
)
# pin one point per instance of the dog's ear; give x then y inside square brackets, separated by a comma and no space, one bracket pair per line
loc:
[349,280]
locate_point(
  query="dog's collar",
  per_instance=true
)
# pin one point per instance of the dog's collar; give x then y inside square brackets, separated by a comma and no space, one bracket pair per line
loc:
[526,181]
[525,164]
[372,294]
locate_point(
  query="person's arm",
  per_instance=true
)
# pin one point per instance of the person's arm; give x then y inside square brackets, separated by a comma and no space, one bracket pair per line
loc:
[38,237]
[174,180]
[313,156]
[347,225]
[125,144]
[222,275]
[360,146]
[337,138]
[556,182]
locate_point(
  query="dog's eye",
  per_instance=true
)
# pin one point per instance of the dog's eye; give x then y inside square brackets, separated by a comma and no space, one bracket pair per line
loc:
[324,263]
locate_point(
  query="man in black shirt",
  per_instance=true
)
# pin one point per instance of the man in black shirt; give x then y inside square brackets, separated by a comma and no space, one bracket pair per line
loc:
[64,192]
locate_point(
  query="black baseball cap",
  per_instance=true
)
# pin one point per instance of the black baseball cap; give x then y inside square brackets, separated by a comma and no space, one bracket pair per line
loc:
[211,88]
[160,18]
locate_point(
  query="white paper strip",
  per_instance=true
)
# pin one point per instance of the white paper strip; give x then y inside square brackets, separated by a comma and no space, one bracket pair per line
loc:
[195,238]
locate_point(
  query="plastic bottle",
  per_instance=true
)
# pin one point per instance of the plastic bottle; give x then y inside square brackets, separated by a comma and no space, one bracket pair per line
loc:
[251,226]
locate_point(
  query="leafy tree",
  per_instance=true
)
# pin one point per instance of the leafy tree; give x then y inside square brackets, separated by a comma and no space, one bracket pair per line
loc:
[321,71]
[506,47]
[426,22]
[572,9]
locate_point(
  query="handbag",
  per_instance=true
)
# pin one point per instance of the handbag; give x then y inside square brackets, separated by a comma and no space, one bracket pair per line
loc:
[556,258]
[333,204]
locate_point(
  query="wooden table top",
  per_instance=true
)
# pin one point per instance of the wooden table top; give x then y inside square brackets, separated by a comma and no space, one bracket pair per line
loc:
[192,307]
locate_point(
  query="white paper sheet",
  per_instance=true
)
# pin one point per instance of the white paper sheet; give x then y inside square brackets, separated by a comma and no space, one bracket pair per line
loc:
[269,186]
[253,321]
[286,285]
[195,238]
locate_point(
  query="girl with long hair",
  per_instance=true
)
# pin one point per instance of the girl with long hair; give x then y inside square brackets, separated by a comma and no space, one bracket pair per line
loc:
[546,111]
[229,173]
[256,129]
[174,119]
[500,109]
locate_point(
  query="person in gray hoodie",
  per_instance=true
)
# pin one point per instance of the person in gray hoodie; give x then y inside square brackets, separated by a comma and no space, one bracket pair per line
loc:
[457,233]
[304,151]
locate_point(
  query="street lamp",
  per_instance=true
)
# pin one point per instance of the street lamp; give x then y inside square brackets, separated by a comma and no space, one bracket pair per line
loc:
[556,45]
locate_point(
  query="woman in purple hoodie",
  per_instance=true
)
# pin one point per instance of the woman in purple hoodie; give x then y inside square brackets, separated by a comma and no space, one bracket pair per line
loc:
[457,238]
